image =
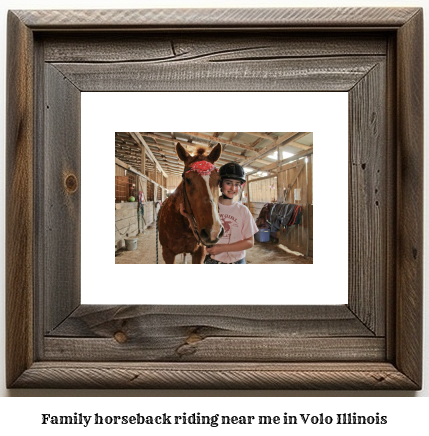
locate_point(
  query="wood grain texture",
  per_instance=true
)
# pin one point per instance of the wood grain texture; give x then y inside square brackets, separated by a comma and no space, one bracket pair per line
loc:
[391,192]
[409,250]
[61,185]
[302,74]
[110,375]
[99,320]
[192,348]
[215,18]
[181,347]
[19,200]
[368,202]
[224,47]
[213,333]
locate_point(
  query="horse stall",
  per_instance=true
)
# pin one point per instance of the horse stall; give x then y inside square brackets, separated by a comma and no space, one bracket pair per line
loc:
[292,185]
[278,190]
[132,218]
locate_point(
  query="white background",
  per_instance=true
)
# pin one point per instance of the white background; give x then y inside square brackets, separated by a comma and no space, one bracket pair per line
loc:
[407,414]
[323,113]
[26,414]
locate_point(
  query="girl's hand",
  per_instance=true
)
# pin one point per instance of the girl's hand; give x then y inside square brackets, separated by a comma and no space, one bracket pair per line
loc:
[215,249]
[245,244]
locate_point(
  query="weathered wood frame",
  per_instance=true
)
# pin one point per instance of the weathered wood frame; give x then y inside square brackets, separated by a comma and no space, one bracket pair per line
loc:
[374,342]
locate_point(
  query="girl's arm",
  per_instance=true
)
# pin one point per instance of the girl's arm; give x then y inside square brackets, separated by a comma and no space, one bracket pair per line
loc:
[245,244]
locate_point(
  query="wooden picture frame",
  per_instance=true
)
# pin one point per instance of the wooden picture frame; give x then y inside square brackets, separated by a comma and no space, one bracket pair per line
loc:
[373,342]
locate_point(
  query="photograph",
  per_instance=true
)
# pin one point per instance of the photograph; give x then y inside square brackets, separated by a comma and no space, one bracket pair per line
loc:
[214,197]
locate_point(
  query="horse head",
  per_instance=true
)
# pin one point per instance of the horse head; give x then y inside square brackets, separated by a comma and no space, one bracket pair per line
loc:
[201,192]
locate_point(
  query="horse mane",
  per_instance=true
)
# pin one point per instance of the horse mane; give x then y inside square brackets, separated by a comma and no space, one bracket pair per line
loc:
[198,155]
[200,151]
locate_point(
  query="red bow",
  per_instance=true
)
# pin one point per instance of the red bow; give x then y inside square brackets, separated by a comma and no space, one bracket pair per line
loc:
[202,167]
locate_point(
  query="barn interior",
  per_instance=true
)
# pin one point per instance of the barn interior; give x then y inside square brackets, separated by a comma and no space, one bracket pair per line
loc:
[279,176]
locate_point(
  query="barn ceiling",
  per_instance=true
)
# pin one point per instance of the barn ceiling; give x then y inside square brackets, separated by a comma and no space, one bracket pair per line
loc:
[253,150]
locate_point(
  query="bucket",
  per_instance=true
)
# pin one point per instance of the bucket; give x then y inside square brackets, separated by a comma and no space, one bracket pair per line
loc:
[131,244]
[263,235]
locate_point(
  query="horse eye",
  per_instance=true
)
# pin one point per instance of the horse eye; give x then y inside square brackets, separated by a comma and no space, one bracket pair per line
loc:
[188,181]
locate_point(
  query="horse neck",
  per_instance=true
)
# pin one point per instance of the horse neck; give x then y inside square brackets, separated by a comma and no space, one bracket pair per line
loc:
[177,198]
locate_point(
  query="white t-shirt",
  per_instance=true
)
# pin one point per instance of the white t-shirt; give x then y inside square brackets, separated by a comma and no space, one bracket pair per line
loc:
[239,224]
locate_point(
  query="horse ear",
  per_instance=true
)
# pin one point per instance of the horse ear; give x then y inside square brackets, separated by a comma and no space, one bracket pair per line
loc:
[215,153]
[182,153]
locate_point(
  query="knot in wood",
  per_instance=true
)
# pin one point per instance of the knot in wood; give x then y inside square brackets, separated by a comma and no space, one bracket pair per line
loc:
[193,337]
[120,337]
[71,183]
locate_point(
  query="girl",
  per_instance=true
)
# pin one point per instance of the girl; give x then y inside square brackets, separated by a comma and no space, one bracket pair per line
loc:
[236,219]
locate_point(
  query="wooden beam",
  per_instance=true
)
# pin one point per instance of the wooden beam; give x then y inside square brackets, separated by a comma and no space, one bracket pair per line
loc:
[130,153]
[163,149]
[264,135]
[283,140]
[119,153]
[222,141]
[298,145]
[120,163]
[166,147]
[284,161]
[140,140]
[174,141]
[132,169]
[143,160]
[136,150]
[263,178]
[256,142]
[234,156]
[165,157]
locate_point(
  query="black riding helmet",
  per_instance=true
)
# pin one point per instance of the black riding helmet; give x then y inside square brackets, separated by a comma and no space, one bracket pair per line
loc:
[232,170]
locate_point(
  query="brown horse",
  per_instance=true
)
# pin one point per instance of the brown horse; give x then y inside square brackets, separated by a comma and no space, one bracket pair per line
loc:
[199,192]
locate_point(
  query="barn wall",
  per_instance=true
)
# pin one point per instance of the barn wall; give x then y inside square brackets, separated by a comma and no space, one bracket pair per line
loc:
[173,182]
[119,171]
[264,190]
[126,224]
[121,184]
[128,221]
[151,175]
[245,195]
[148,216]
[148,213]
[255,207]
[296,186]
[143,187]
[150,191]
